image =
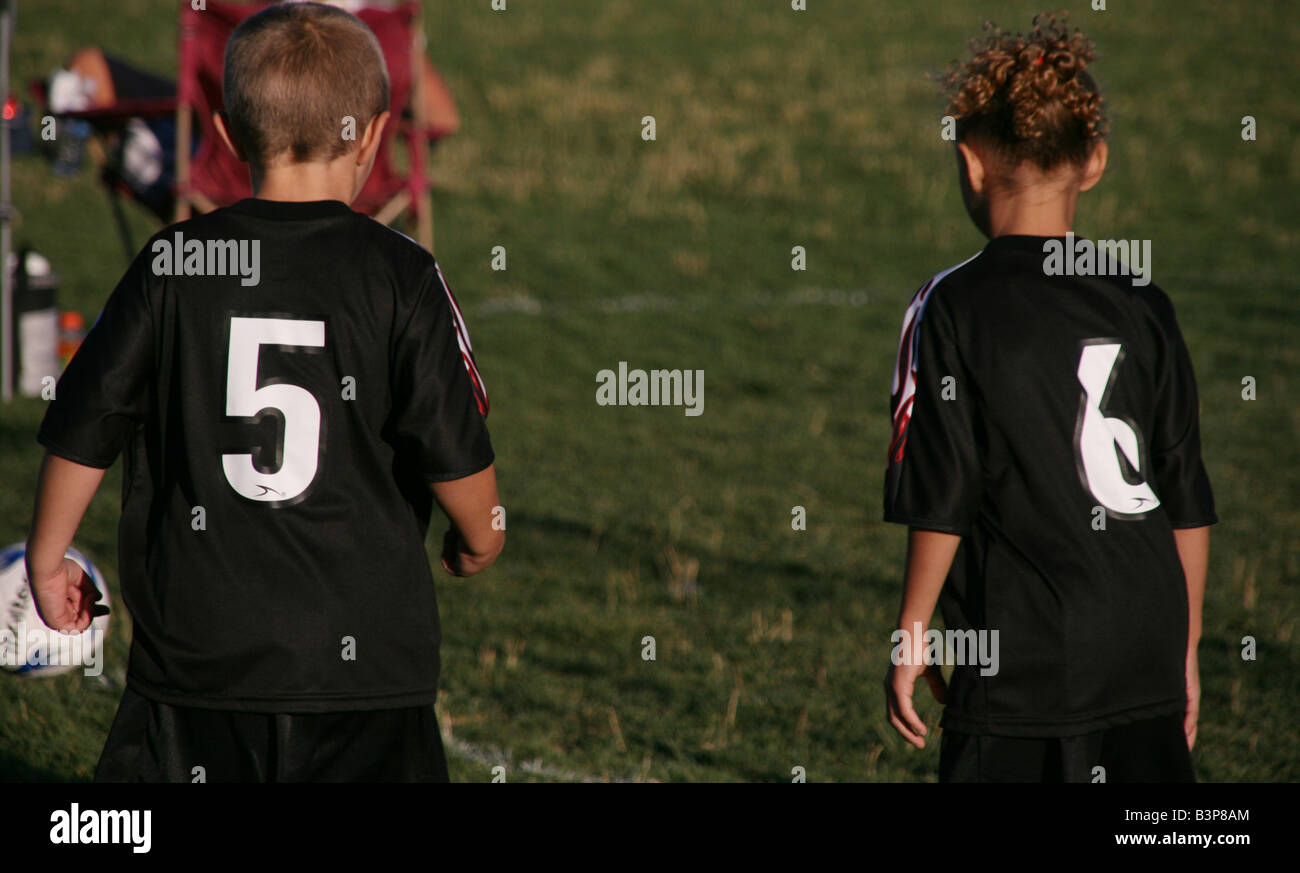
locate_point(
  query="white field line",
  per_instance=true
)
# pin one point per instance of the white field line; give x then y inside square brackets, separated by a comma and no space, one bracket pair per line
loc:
[489,757]
[528,305]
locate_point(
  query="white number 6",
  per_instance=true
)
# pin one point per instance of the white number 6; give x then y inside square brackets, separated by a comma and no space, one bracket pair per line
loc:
[299,408]
[1098,436]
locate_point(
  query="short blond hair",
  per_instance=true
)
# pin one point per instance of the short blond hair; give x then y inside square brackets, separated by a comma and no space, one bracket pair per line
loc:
[293,74]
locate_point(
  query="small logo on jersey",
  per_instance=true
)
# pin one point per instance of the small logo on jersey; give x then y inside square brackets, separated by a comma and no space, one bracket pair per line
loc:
[266,489]
[1100,439]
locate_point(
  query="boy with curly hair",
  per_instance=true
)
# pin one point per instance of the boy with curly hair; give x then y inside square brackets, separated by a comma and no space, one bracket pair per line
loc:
[1046,459]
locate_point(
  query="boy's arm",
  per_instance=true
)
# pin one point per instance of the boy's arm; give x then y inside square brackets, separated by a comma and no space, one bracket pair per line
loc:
[472,543]
[439,422]
[65,596]
[933,484]
[1194,554]
[929,557]
[1183,485]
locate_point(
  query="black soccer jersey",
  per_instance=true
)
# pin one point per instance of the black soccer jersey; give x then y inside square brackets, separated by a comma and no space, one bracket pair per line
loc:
[1052,422]
[281,423]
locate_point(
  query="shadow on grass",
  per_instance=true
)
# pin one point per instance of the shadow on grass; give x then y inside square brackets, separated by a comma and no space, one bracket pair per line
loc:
[15,769]
[646,546]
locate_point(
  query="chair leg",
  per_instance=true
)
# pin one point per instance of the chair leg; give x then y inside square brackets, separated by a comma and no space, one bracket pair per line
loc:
[424,220]
[419,146]
[184,121]
[393,208]
[119,218]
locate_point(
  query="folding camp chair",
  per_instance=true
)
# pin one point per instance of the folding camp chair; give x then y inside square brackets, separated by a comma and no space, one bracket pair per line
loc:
[210,176]
[109,124]
[213,177]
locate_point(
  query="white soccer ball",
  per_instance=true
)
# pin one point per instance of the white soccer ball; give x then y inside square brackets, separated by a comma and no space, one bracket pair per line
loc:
[28,645]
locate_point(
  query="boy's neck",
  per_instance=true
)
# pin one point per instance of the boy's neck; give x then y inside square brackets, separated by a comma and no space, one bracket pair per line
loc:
[1032,211]
[306,181]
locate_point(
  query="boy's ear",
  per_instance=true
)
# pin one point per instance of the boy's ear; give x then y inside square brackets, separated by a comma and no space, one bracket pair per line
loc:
[371,137]
[1096,165]
[971,168]
[220,121]
[971,173]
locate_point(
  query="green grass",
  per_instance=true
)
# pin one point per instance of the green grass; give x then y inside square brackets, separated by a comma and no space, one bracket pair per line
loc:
[775,129]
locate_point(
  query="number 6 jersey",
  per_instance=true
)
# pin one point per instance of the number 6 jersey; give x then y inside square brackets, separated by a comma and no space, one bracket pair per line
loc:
[284,381]
[1051,421]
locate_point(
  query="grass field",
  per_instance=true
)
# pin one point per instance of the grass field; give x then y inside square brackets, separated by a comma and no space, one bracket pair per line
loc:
[774,129]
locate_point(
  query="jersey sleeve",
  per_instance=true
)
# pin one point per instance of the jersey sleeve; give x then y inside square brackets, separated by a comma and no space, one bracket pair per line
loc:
[439,402]
[933,479]
[105,392]
[1181,481]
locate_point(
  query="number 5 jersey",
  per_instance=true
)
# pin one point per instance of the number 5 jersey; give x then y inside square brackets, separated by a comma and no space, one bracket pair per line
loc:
[284,380]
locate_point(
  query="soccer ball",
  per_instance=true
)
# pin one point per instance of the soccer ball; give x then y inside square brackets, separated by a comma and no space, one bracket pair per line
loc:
[29,646]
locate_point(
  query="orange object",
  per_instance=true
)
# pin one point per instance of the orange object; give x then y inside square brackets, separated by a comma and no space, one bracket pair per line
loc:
[72,329]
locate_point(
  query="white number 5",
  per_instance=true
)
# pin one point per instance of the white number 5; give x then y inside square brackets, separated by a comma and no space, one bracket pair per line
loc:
[301,412]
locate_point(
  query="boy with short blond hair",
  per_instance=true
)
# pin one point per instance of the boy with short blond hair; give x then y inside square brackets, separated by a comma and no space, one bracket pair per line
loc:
[293,387]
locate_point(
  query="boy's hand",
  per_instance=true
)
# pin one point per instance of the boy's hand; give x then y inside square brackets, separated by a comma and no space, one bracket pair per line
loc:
[458,560]
[1194,554]
[900,681]
[1193,712]
[454,559]
[929,556]
[66,599]
[474,540]
[450,550]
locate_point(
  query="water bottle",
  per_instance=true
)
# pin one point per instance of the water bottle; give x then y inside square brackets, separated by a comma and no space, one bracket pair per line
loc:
[72,330]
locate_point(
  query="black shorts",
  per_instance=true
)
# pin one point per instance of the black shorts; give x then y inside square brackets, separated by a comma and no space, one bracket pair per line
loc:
[1153,750]
[157,742]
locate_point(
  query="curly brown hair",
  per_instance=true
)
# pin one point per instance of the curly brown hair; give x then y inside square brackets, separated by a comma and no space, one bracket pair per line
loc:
[1029,96]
